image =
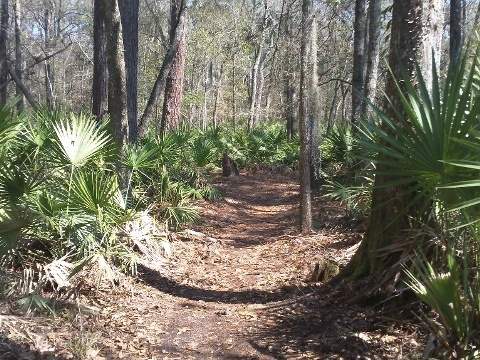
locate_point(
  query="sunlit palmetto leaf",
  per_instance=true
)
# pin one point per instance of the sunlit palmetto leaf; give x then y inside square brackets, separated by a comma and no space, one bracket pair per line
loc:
[418,154]
[441,291]
[80,139]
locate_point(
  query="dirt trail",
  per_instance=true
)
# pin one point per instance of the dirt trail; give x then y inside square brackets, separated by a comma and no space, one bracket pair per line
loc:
[240,292]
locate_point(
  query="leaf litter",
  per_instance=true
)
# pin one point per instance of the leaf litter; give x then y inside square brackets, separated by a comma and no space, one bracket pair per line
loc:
[236,286]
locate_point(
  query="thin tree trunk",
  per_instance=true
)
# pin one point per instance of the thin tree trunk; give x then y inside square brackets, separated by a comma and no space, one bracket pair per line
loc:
[218,86]
[258,101]
[331,114]
[254,88]
[172,104]
[234,89]
[3,53]
[373,53]
[314,106]
[49,77]
[117,104]
[289,79]
[305,135]
[290,108]
[204,105]
[358,59]
[23,89]
[256,81]
[129,17]
[18,56]
[100,63]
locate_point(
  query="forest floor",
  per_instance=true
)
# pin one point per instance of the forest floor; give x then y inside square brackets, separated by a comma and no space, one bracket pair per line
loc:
[236,287]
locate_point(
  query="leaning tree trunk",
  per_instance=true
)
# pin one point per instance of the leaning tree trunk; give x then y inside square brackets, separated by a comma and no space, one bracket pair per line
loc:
[409,38]
[172,103]
[162,75]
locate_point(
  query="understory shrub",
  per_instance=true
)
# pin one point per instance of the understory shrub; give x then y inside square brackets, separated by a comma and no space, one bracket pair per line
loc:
[433,153]
[344,175]
[69,200]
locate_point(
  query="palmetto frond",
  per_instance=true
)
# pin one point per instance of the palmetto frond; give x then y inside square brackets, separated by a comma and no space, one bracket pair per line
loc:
[417,149]
[12,230]
[80,139]
[442,292]
[96,193]
[9,125]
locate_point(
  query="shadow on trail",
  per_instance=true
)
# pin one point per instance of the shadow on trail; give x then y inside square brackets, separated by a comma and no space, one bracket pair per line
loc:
[10,350]
[311,328]
[158,281]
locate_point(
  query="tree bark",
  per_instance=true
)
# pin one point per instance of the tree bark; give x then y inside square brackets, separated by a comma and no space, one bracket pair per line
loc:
[218,87]
[290,76]
[48,71]
[172,104]
[234,91]
[305,129]
[18,56]
[373,53]
[431,42]
[117,104]
[387,220]
[129,17]
[314,105]
[290,106]
[256,74]
[358,59]
[100,63]
[161,77]
[456,37]
[3,53]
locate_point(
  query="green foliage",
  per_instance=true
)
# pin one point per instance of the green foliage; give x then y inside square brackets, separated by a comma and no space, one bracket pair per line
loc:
[65,193]
[432,154]
[61,196]
[79,140]
[444,293]
[343,171]
[338,146]
[425,142]
[266,146]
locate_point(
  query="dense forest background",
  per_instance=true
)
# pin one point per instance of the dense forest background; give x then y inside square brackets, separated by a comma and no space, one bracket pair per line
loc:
[241,60]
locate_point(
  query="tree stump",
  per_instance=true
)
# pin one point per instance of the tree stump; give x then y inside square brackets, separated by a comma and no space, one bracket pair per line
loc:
[229,166]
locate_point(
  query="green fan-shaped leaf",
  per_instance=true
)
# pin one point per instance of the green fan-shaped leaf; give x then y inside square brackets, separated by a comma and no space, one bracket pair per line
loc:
[80,139]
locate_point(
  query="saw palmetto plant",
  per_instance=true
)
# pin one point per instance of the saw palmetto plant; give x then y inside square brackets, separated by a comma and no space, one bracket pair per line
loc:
[433,156]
